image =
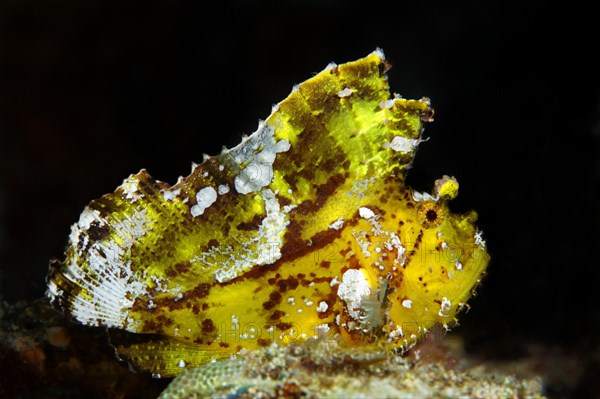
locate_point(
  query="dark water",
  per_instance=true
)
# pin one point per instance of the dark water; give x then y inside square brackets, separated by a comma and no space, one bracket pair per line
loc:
[93,91]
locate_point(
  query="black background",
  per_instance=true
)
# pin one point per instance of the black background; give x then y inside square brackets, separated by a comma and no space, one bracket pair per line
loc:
[93,91]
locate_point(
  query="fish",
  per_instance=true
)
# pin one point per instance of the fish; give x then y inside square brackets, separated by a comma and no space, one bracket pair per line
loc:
[305,230]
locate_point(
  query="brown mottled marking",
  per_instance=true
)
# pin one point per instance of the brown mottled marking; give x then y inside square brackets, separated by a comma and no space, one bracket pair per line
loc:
[283,201]
[276,315]
[213,243]
[344,251]
[284,326]
[323,192]
[255,273]
[318,280]
[178,269]
[208,326]
[416,246]
[418,240]
[353,263]
[289,283]
[200,291]
[275,296]
[307,173]
[162,319]
[97,232]
[251,225]
[427,115]
[325,237]
[263,342]
[150,326]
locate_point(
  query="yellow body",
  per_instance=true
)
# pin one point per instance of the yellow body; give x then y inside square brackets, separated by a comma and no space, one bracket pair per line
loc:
[306,229]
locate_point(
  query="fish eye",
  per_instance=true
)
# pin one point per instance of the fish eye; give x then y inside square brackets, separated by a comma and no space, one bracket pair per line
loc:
[430,214]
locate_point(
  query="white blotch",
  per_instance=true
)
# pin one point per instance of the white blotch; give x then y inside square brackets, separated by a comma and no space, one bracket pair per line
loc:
[134,227]
[402,144]
[344,93]
[169,195]
[366,213]
[53,290]
[479,238]
[262,249]
[87,217]
[407,303]
[418,197]
[361,239]
[379,53]
[387,104]
[394,242]
[79,229]
[258,170]
[330,66]
[394,334]
[105,299]
[322,307]
[235,322]
[322,329]
[359,188]
[204,198]
[253,159]
[458,265]
[353,290]
[130,187]
[444,307]
[337,224]
[181,364]
[223,189]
